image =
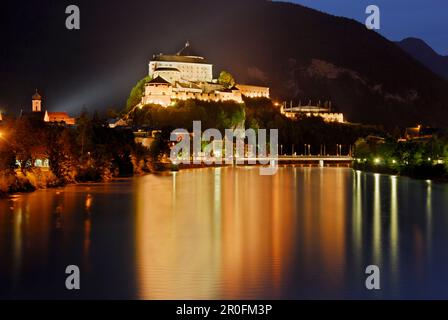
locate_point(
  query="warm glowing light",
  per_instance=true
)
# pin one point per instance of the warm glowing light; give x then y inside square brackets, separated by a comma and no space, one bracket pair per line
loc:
[377,160]
[394,161]
[88,203]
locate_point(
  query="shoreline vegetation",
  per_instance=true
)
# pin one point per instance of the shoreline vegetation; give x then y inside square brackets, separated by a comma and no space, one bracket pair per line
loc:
[420,158]
[436,174]
[37,155]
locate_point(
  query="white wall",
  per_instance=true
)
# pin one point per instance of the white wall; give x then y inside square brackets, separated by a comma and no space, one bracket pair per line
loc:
[196,72]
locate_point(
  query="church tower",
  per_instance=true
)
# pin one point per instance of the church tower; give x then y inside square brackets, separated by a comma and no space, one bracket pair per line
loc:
[37,102]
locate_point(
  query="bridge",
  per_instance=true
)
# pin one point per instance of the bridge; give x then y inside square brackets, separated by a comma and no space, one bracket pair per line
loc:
[305,161]
[317,160]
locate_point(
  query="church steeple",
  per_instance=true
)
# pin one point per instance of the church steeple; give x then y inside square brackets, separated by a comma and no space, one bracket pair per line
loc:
[37,102]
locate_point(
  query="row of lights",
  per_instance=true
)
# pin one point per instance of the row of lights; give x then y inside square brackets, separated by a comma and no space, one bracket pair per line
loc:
[379,160]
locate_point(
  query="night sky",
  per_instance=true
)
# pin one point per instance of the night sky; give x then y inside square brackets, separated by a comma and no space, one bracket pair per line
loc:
[97,66]
[424,19]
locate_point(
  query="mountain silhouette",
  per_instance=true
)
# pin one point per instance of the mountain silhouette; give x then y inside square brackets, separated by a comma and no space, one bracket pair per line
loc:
[421,51]
[302,54]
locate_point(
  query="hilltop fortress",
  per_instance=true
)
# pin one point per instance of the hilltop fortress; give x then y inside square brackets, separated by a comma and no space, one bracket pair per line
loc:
[186,75]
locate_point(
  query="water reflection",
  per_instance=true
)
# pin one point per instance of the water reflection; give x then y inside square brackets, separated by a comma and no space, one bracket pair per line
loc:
[394,239]
[229,233]
[377,252]
[428,212]
[214,240]
[357,218]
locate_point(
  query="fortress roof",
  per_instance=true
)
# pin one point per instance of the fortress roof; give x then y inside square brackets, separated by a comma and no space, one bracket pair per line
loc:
[185,55]
[158,80]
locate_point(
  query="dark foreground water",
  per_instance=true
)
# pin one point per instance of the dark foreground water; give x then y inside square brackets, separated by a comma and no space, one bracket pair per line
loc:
[229,234]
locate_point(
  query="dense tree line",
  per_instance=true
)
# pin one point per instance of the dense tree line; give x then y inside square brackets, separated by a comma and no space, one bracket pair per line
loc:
[219,115]
[256,114]
[312,131]
[136,94]
[89,151]
[419,158]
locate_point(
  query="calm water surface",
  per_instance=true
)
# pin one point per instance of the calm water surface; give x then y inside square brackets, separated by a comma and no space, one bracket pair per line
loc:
[229,233]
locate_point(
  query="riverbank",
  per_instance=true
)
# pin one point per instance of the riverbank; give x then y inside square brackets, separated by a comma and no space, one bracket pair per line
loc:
[199,211]
[42,179]
[25,182]
[423,172]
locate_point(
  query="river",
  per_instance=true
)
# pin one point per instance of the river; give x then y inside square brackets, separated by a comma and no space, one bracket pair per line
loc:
[229,233]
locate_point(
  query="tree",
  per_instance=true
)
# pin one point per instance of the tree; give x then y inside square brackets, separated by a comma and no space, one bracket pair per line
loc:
[137,92]
[28,141]
[226,79]
[158,148]
[61,145]
[84,133]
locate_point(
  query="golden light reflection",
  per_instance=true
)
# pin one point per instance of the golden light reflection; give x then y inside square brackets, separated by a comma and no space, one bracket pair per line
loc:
[229,233]
[394,236]
[332,219]
[377,252]
[219,244]
[176,246]
[210,234]
[357,217]
[88,202]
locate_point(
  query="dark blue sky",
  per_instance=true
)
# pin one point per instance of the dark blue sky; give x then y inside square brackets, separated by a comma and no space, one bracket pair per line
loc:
[425,19]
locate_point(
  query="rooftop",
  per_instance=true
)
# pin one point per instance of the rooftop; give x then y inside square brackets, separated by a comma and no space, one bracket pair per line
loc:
[37,96]
[158,80]
[186,55]
[58,114]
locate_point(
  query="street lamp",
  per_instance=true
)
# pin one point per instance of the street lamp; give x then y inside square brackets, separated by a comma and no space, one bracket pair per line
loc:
[339,150]
[307,148]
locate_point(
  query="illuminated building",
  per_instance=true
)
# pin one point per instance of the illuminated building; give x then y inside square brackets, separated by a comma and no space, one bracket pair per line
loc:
[51,117]
[313,111]
[58,117]
[184,65]
[253,91]
[420,133]
[186,76]
[37,102]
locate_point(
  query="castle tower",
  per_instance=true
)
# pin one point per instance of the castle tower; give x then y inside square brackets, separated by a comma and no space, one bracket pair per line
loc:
[37,102]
